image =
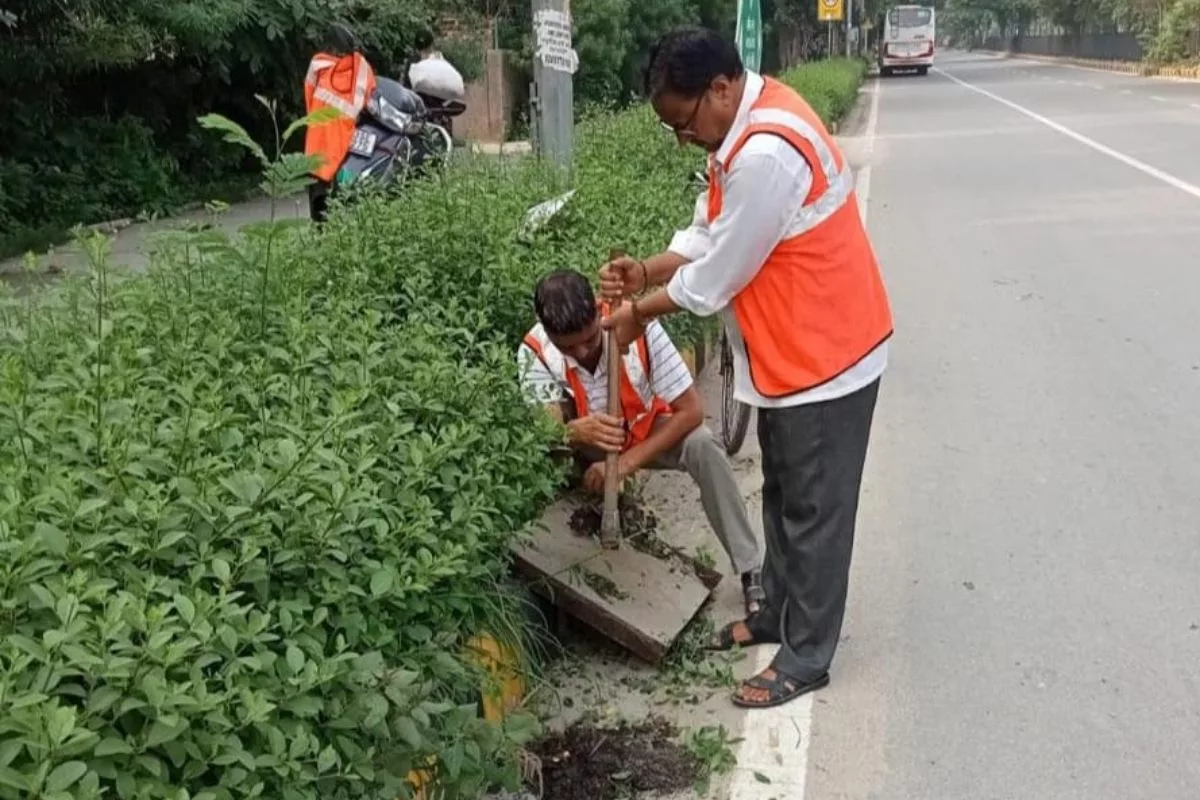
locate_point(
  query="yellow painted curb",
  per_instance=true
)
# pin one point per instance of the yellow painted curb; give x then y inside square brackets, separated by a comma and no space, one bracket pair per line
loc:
[1142,68]
[503,692]
[420,780]
[506,688]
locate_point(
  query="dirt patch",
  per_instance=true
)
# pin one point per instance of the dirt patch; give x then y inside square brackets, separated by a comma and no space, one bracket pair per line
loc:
[636,522]
[585,762]
[639,529]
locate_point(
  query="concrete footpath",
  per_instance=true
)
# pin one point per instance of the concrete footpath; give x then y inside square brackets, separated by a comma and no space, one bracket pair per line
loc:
[130,244]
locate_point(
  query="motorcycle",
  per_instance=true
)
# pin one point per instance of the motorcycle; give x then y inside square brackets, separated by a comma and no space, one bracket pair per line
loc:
[442,112]
[395,136]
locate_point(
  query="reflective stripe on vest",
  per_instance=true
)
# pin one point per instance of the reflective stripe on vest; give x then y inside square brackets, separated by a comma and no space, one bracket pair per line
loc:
[315,66]
[639,405]
[818,306]
[341,83]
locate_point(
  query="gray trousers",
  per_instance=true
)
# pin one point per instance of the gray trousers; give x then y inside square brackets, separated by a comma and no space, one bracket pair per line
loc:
[702,456]
[813,459]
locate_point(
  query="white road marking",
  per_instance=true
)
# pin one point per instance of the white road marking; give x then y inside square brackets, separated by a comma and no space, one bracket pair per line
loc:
[1194,105]
[1127,91]
[1159,99]
[775,741]
[863,184]
[1140,166]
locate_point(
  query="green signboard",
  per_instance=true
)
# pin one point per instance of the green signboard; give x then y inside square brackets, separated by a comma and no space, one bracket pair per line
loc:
[749,34]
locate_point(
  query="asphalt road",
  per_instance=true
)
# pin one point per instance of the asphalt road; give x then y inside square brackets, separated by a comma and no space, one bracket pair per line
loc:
[1025,612]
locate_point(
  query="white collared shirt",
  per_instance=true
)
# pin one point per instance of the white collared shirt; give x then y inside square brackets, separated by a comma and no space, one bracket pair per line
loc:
[763,197]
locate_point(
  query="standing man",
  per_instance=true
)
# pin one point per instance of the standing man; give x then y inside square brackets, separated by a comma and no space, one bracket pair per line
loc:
[565,367]
[343,79]
[778,247]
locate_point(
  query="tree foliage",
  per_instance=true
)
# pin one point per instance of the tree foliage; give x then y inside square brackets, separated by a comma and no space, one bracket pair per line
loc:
[100,95]
[1162,26]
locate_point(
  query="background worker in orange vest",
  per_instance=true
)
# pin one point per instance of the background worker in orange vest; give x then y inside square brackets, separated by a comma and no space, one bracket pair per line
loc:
[564,367]
[341,78]
[778,248]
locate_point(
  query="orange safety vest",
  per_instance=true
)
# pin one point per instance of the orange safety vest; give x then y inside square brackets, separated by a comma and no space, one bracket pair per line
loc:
[818,306]
[640,407]
[345,84]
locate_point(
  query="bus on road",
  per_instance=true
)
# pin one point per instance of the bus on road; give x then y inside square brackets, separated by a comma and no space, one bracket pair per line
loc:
[908,40]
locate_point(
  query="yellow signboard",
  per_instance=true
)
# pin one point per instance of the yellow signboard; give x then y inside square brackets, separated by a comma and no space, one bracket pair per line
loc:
[831,10]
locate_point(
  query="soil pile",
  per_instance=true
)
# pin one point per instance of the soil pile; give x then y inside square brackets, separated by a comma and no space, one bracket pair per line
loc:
[590,763]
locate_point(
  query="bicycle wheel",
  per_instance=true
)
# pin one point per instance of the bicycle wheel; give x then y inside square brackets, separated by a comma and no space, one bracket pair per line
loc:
[735,416]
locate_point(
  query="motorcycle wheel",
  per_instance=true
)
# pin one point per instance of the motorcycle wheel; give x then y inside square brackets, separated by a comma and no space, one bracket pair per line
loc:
[436,146]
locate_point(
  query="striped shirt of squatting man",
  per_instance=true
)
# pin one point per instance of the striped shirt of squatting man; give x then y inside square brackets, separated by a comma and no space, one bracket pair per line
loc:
[669,374]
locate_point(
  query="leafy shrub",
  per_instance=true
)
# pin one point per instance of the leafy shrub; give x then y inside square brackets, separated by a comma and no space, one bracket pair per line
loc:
[251,521]
[257,502]
[95,169]
[632,190]
[830,87]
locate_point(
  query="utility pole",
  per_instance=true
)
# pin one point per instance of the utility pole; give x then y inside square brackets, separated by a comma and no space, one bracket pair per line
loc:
[849,13]
[554,65]
[832,12]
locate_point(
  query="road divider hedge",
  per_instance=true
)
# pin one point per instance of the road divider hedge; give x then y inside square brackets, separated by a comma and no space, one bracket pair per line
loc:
[256,504]
[831,87]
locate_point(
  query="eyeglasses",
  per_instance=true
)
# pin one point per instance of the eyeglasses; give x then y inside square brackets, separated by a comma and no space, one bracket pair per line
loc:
[686,128]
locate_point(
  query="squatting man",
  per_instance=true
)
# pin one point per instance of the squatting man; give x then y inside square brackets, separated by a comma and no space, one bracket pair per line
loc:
[565,368]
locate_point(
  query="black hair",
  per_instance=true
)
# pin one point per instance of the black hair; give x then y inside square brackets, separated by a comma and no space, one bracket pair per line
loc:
[686,61]
[424,40]
[564,302]
[341,39]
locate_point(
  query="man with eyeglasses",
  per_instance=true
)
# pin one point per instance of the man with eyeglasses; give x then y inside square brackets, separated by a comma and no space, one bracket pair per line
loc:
[777,246]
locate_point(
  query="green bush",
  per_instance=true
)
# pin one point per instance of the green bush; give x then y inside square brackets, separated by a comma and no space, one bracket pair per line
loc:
[257,502]
[97,169]
[251,521]
[830,87]
[632,190]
